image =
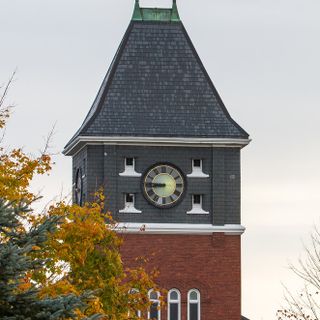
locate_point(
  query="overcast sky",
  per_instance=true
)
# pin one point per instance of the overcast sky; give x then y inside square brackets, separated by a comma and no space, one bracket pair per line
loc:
[263,57]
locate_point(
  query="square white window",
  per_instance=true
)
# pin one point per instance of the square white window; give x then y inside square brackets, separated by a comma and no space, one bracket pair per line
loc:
[197,171]
[197,205]
[129,168]
[129,204]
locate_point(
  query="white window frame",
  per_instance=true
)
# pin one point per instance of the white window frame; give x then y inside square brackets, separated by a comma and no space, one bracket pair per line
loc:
[129,207]
[129,170]
[138,312]
[197,171]
[153,301]
[197,207]
[198,301]
[174,301]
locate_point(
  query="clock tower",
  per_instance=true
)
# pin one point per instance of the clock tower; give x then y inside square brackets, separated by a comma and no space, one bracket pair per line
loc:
[160,141]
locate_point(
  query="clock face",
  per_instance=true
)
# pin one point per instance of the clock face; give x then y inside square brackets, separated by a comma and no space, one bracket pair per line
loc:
[78,188]
[163,185]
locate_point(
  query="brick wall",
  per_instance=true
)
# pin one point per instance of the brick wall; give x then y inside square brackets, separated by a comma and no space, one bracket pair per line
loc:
[210,264]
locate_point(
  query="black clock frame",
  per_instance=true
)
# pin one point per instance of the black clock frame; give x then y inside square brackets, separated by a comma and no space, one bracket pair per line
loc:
[184,183]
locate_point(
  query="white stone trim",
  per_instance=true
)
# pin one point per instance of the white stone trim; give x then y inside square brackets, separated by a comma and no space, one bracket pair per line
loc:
[157,141]
[129,171]
[197,207]
[129,207]
[197,210]
[179,228]
[197,171]
[197,174]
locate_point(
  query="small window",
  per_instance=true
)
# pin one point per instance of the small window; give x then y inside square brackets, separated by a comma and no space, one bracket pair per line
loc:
[197,163]
[174,305]
[129,198]
[135,292]
[197,172]
[129,162]
[194,305]
[129,205]
[129,168]
[197,205]
[154,311]
[197,199]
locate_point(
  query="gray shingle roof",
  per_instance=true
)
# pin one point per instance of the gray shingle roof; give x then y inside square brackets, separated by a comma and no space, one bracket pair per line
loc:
[157,86]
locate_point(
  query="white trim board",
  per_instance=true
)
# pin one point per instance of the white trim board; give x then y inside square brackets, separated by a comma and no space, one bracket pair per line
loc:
[179,228]
[156,141]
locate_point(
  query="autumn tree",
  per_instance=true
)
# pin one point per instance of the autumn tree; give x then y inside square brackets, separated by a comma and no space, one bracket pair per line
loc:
[21,236]
[19,299]
[67,253]
[305,305]
[85,255]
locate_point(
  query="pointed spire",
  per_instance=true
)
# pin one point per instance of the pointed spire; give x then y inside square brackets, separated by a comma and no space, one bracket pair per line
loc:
[137,12]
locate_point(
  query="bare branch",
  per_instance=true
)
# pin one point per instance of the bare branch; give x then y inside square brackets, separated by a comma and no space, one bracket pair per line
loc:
[6,89]
[5,109]
[48,139]
[306,305]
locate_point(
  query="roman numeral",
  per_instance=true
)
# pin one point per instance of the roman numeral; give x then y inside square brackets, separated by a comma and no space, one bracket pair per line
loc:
[151,193]
[177,193]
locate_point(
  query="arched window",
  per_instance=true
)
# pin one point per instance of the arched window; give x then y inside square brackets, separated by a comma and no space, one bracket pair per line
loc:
[194,304]
[154,312]
[174,305]
[135,292]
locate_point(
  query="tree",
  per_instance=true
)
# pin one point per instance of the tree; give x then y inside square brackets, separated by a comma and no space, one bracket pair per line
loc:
[18,297]
[68,251]
[306,304]
[85,255]
[21,236]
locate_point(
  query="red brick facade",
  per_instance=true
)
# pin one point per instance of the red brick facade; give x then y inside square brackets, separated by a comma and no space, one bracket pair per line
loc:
[209,263]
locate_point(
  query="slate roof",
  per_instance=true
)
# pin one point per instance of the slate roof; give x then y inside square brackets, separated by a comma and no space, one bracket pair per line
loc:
[157,86]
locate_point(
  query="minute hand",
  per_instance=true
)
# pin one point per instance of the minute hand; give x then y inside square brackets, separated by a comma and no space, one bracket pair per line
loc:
[156,185]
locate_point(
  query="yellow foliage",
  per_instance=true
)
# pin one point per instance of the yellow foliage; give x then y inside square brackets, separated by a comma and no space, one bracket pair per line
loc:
[84,252]
[90,248]
[16,172]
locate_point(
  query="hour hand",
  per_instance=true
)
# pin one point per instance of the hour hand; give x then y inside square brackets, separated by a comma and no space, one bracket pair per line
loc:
[156,185]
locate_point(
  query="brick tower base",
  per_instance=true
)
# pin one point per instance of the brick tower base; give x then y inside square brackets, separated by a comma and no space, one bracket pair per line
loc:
[209,263]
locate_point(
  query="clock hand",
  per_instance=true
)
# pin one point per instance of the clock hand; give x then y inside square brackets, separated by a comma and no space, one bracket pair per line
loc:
[156,185]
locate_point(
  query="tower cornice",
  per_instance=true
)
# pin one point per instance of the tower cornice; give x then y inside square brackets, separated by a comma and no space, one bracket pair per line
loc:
[82,141]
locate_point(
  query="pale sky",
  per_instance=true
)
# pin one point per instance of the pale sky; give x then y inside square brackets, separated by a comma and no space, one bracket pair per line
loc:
[263,57]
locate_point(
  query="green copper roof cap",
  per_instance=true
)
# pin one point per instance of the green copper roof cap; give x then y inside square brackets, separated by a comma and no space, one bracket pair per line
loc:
[156,14]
